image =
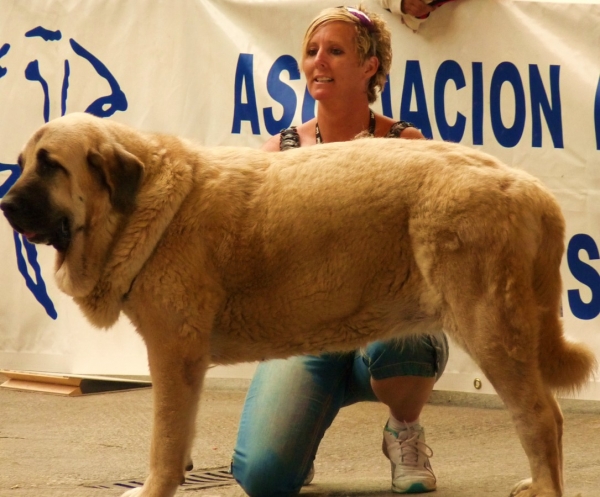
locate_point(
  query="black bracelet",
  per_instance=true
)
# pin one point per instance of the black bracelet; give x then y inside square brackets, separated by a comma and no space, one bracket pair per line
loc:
[289,138]
[398,127]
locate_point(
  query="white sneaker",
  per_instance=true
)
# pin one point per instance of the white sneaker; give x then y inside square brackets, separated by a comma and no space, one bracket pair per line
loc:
[409,457]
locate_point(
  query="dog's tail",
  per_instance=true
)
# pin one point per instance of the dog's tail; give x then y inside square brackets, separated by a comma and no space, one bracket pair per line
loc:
[565,365]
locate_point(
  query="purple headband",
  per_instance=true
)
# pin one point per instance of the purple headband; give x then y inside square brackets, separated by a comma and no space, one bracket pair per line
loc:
[362,17]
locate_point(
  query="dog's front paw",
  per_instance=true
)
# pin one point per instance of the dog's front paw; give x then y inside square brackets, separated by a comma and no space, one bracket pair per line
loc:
[521,487]
[135,492]
[525,488]
[150,491]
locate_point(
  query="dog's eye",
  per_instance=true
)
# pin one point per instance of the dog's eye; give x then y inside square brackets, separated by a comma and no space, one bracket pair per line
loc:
[47,166]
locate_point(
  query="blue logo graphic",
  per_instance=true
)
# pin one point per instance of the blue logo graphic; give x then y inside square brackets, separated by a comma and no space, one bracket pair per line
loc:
[102,107]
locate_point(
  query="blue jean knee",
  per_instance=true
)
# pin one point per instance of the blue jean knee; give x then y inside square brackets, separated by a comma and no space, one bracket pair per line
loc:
[289,406]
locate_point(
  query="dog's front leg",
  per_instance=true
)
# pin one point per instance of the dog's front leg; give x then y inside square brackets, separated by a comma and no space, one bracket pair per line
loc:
[177,368]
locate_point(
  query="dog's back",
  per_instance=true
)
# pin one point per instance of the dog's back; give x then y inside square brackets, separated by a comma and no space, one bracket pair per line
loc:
[386,237]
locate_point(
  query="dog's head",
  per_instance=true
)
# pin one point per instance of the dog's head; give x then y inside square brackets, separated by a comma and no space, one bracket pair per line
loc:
[78,182]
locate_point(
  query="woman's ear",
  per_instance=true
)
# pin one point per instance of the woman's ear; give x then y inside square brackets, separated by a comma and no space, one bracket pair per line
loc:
[371,65]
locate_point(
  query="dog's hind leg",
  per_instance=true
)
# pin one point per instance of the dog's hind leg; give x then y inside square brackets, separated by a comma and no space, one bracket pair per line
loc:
[533,409]
[523,485]
[547,465]
[177,366]
[534,414]
[494,314]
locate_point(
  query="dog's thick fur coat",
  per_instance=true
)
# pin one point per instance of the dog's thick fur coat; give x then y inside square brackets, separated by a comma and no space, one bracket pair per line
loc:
[222,255]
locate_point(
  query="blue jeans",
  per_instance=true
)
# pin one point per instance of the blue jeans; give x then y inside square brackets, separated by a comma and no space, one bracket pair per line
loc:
[291,403]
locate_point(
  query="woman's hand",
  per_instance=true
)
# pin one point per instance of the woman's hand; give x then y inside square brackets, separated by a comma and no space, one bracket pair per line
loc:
[416,8]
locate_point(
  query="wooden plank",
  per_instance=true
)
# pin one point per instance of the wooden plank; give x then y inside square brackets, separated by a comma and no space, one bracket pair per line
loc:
[44,387]
[71,386]
[42,377]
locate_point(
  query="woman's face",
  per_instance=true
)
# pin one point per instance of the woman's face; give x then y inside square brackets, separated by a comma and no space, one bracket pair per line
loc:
[332,66]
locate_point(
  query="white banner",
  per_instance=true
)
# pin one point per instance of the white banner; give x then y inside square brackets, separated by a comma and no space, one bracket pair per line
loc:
[518,79]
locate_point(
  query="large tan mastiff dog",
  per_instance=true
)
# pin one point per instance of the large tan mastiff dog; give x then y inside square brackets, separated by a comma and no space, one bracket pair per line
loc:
[222,255]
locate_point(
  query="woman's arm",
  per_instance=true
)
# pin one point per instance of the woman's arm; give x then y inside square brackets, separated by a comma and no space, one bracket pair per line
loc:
[411,133]
[272,144]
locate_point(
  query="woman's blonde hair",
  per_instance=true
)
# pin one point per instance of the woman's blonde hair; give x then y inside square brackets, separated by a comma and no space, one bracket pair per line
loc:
[372,39]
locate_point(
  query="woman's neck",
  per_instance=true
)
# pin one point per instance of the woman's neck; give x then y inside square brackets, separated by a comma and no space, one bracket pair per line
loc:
[342,123]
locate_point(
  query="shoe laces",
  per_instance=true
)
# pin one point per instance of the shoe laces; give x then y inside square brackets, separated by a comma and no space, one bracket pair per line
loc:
[413,451]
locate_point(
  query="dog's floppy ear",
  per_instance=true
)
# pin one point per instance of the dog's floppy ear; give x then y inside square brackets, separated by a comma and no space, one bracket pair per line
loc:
[119,171]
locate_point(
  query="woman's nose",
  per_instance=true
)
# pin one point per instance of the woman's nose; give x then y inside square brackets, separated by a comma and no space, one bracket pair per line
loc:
[320,57]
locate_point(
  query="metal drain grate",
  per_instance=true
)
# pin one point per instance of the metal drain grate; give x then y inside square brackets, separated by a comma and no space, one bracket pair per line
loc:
[194,480]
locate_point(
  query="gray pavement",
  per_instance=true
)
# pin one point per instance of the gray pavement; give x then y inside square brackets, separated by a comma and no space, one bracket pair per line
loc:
[52,446]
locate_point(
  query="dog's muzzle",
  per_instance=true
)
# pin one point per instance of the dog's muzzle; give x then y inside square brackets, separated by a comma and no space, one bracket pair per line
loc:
[36,221]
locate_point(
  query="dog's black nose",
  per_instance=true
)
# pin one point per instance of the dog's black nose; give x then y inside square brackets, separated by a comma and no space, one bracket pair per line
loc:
[7,206]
